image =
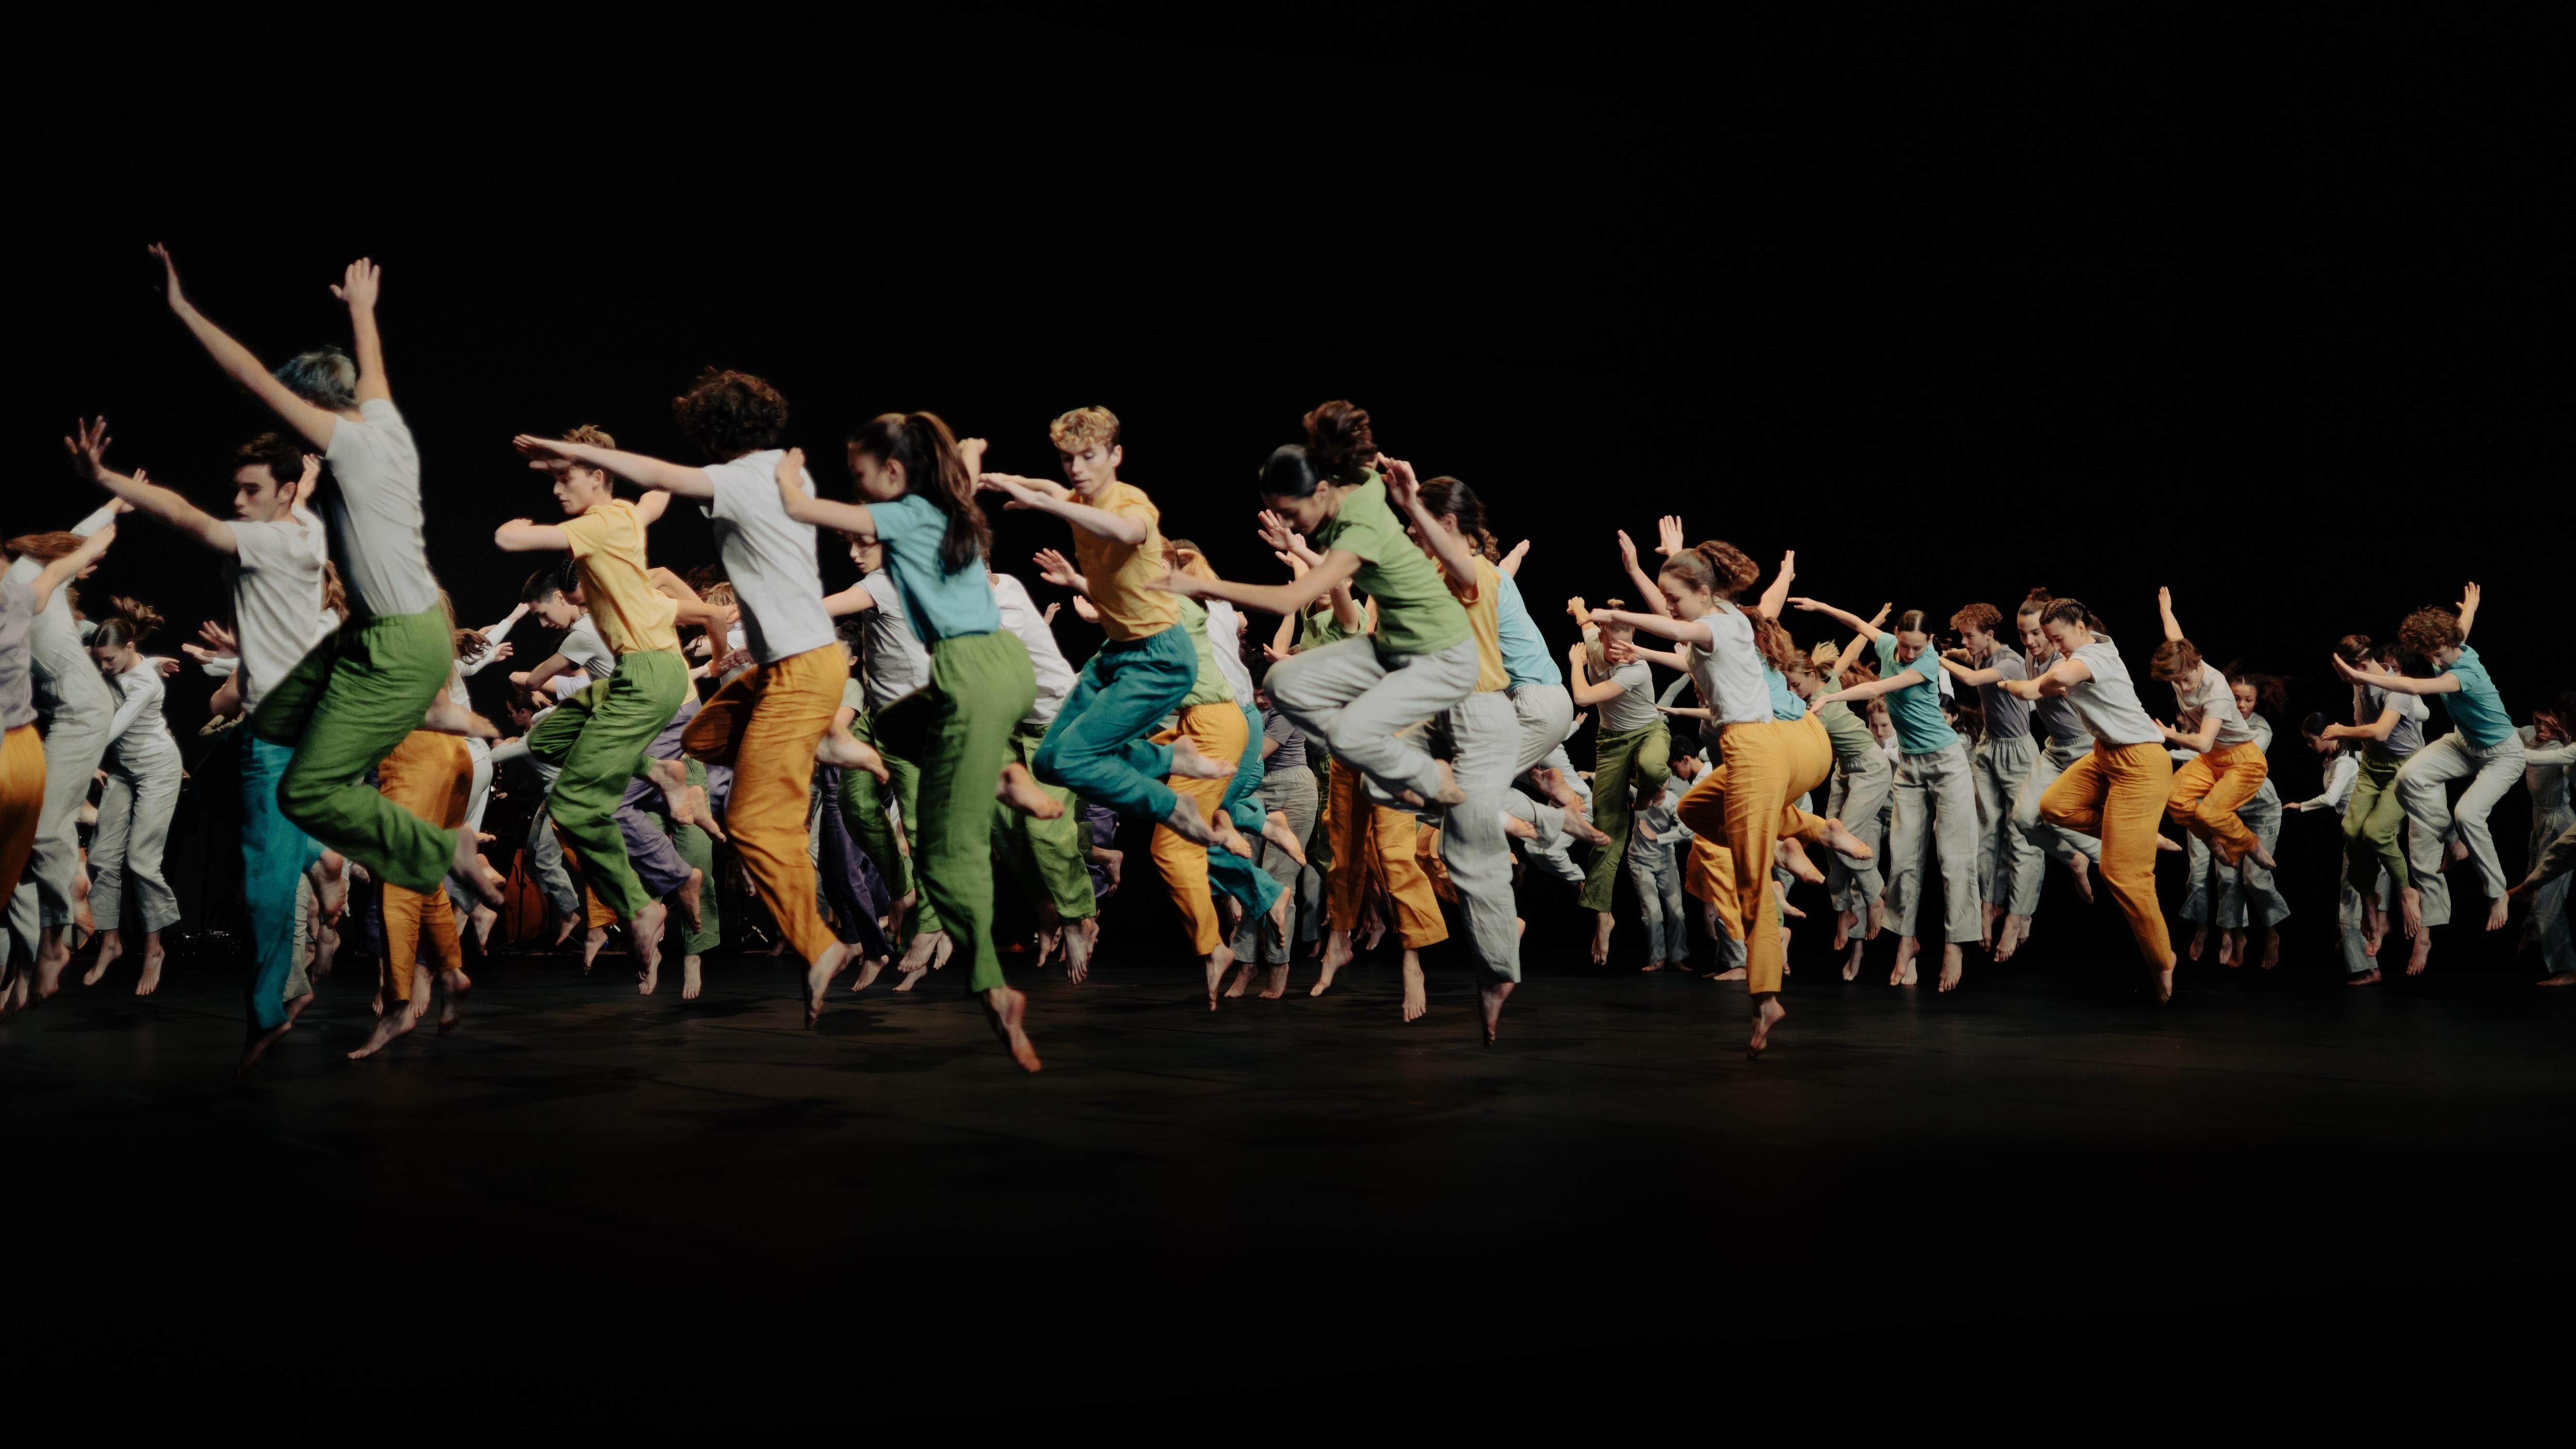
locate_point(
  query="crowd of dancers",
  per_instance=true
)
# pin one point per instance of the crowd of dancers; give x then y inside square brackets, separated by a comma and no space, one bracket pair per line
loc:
[866,757]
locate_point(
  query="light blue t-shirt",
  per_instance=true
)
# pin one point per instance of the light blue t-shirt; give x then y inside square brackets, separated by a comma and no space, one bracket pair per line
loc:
[2476,707]
[1525,656]
[942,605]
[1915,710]
[1785,703]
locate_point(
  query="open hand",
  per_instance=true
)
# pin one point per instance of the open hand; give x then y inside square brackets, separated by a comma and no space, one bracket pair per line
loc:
[1055,568]
[170,277]
[1668,534]
[312,479]
[1403,489]
[544,454]
[88,447]
[358,285]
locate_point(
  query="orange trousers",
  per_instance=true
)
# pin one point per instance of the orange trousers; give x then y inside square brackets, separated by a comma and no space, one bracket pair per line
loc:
[2117,795]
[1748,801]
[765,724]
[1219,731]
[1372,840]
[432,776]
[22,799]
[2208,791]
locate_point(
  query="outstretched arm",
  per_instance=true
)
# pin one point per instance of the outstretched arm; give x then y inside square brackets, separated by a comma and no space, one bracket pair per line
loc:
[1669,658]
[315,424]
[1646,588]
[1687,631]
[1056,569]
[2444,683]
[548,455]
[2378,729]
[1057,499]
[1337,566]
[1967,676]
[2468,611]
[1901,679]
[69,566]
[1867,628]
[1510,567]
[521,536]
[2164,611]
[691,609]
[88,447]
[1859,642]
[851,600]
[358,288]
[537,678]
[2052,682]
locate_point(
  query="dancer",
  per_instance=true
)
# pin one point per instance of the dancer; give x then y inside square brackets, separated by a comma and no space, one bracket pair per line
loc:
[893,665]
[1936,801]
[2064,740]
[134,808]
[2004,755]
[1288,799]
[77,705]
[2228,767]
[1861,784]
[1631,745]
[2360,931]
[766,722]
[1655,830]
[2483,746]
[26,795]
[919,482]
[2370,823]
[1359,694]
[2549,757]
[431,775]
[597,739]
[1765,762]
[2232,898]
[1098,746]
[2117,793]
[344,707]
[1044,854]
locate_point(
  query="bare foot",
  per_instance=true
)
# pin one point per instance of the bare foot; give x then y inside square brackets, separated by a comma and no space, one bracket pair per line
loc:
[924,951]
[1851,963]
[2496,914]
[1216,963]
[1552,783]
[2163,982]
[1274,828]
[648,978]
[818,979]
[1004,1008]
[1278,986]
[1732,973]
[1233,842]
[2010,940]
[590,946]
[1986,913]
[912,976]
[445,716]
[479,878]
[1843,842]
[691,978]
[326,943]
[1877,918]
[1791,856]
[2459,851]
[1187,823]
[2555,978]
[152,958]
[1189,764]
[2199,938]
[1903,975]
[258,1040]
[111,944]
[1513,826]
[1953,961]
[458,986]
[1242,979]
[1602,924]
[1416,1000]
[391,1025]
[564,927]
[2374,927]
[1581,829]
[1844,921]
[1449,793]
[2236,953]
[1079,939]
[1767,1013]
[331,884]
[2082,869]
[702,814]
[482,918]
[644,933]
[2262,857]
[2271,948]
[2371,978]
[2410,911]
[295,1008]
[2422,955]
[1019,790]
[1111,861]
[840,747]
[1337,954]
[1492,995]
[692,899]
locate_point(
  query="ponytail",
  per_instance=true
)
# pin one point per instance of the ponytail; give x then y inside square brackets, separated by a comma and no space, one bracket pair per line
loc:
[935,472]
[128,621]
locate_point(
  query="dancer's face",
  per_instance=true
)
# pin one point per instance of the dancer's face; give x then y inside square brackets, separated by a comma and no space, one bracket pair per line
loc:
[1091,469]
[577,489]
[258,497]
[1689,601]
[556,611]
[113,658]
[1910,644]
[878,482]
[1618,644]
[2244,700]
[1977,641]
[2066,636]
[2032,639]
[870,557]
[1309,513]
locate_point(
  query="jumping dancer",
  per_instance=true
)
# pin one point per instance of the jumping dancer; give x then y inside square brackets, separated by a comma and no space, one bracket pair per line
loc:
[26,597]
[1631,745]
[345,707]
[134,808]
[2228,767]
[2004,755]
[2393,733]
[2063,741]
[2117,793]
[2483,746]
[1044,855]
[2549,757]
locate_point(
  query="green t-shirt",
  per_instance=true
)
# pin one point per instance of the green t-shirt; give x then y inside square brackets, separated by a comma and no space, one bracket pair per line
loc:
[1321,627]
[1849,732]
[1416,613]
[1211,688]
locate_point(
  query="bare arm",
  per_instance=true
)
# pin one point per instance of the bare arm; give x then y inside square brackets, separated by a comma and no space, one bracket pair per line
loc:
[549,456]
[1967,676]
[315,424]
[1580,683]
[650,508]
[2052,682]
[521,536]
[1692,711]
[1056,569]
[2378,729]
[1867,628]
[2469,597]
[1858,693]
[538,677]
[2199,742]
[1662,626]
[2164,611]
[62,570]
[1510,567]
[1778,594]
[1646,588]
[2444,683]
[850,518]
[1458,560]
[1052,498]
[1669,658]
[358,287]
[88,447]
[1337,566]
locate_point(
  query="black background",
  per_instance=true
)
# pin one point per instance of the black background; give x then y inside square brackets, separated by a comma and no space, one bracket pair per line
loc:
[2267,318]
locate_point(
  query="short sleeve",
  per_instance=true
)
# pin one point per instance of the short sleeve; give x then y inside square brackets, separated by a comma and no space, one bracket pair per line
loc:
[586,533]
[1884,646]
[902,518]
[259,545]
[2009,665]
[851,698]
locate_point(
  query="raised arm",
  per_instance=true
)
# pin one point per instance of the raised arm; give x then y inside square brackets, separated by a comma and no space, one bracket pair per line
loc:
[54,575]
[2164,611]
[650,508]
[315,424]
[1056,569]
[1867,628]
[1337,566]
[521,536]
[2444,683]
[2468,610]
[1510,567]
[1646,588]
[1405,490]
[549,455]
[1778,594]
[1057,499]
[358,288]
[88,447]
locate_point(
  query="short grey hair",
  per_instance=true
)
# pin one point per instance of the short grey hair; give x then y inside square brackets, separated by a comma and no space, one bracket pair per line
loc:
[324,377]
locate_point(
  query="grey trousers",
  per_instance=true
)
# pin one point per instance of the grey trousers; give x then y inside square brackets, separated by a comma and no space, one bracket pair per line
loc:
[133,837]
[1359,700]
[1935,805]
[1291,792]
[1858,797]
[75,741]
[2052,759]
[546,863]
[1550,851]
[1546,716]
[2547,925]
[1484,739]
[1658,879]
[475,804]
[2004,854]
[2356,946]
[2491,771]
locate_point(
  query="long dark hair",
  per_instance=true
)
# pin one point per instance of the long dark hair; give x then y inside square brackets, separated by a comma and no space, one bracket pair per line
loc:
[1448,498]
[935,472]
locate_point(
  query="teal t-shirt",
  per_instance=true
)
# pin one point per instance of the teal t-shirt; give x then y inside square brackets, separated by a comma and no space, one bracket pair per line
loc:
[1416,613]
[1525,656]
[1915,710]
[1785,703]
[942,605]
[2476,707]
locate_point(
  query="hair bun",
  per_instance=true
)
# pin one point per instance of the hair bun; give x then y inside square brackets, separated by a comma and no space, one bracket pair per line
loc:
[1339,437]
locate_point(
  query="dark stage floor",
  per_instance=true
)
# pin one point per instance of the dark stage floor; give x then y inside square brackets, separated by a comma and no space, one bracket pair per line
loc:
[2045,1143]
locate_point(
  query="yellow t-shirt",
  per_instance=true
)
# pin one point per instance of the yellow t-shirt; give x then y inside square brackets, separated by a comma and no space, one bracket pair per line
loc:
[1118,573]
[1484,620]
[631,615]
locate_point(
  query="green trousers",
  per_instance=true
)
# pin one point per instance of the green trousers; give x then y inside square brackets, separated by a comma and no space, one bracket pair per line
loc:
[959,732]
[1045,857]
[597,740]
[699,850]
[1641,756]
[342,710]
[2370,821]
[863,807]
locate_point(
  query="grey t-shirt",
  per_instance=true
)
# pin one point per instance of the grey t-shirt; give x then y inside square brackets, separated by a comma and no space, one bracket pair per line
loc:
[17,695]
[138,737]
[587,651]
[2211,696]
[277,598]
[897,664]
[2108,702]
[769,557]
[1634,709]
[2055,714]
[375,513]
[2007,718]
[1291,754]
[66,677]
[2408,736]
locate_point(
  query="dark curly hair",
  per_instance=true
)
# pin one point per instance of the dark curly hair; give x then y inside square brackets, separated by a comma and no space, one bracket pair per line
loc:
[2427,630]
[2271,692]
[935,472]
[1340,442]
[1448,498]
[1719,568]
[728,414]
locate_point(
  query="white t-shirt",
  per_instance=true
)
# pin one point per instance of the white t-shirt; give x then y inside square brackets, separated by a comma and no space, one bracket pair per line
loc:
[1020,615]
[375,513]
[2210,695]
[768,557]
[2108,702]
[583,646]
[1729,675]
[897,664]
[277,598]
[1225,641]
